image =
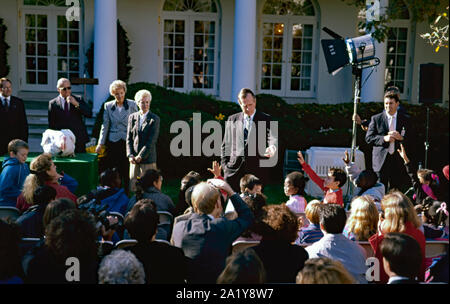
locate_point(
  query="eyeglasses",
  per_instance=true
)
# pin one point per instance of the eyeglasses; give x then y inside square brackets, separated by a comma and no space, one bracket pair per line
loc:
[66,88]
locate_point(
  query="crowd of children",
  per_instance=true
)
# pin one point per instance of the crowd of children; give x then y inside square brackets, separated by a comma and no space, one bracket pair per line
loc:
[395,226]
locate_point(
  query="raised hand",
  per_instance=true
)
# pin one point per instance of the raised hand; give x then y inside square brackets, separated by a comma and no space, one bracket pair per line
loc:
[221,185]
[402,153]
[216,169]
[300,157]
[346,158]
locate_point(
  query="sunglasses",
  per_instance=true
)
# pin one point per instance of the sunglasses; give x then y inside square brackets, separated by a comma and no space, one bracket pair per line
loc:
[66,88]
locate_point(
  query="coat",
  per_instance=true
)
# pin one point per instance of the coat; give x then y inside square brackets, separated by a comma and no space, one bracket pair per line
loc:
[141,140]
[14,120]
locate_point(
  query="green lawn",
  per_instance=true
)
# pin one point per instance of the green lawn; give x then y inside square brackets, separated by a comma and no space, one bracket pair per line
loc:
[274,192]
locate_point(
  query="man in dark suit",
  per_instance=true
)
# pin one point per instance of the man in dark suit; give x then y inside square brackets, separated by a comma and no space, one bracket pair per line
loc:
[66,112]
[387,130]
[244,150]
[13,119]
[206,237]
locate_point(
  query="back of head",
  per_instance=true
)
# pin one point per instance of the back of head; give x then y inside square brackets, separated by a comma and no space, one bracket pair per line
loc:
[397,210]
[204,198]
[249,181]
[189,180]
[324,271]
[15,145]
[339,176]
[44,195]
[146,181]
[142,220]
[121,267]
[244,267]
[366,179]
[332,218]
[403,254]
[280,223]
[57,207]
[298,180]
[38,169]
[72,234]
[437,213]
[255,202]
[312,211]
[109,177]
[363,220]
[9,249]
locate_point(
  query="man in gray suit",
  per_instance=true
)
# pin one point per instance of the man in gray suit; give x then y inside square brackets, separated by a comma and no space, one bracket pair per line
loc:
[142,134]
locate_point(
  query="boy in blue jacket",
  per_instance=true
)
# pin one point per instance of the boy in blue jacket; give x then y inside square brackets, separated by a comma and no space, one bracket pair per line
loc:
[14,172]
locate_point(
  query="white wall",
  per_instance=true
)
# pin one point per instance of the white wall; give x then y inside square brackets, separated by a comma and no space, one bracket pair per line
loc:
[9,14]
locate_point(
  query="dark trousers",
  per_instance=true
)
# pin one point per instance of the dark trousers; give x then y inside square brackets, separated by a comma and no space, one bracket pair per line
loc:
[392,173]
[247,168]
[116,157]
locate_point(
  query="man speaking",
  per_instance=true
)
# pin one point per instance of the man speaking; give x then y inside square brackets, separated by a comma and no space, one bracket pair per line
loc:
[250,142]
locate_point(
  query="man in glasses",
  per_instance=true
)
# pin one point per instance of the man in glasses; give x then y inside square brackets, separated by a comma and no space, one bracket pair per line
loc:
[66,112]
[13,120]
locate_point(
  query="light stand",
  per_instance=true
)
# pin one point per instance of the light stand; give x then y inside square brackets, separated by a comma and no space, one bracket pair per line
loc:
[426,143]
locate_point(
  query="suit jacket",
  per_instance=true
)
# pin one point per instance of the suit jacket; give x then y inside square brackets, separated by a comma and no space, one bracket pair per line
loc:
[141,140]
[378,128]
[207,242]
[115,122]
[58,119]
[13,123]
[233,151]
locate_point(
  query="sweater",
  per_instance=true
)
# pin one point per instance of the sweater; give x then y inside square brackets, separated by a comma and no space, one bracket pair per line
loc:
[11,181]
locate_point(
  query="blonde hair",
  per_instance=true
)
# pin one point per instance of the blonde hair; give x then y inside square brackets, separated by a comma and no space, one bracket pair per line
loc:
[312,211]
[398,210]
[324,271]
[38,169]
[141,94]
[363,220]
[117,84]
[204,198]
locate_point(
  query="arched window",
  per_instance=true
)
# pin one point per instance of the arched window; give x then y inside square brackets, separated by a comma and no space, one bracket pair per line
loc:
[51,45]
[288,48]
[190,45]
[398,53]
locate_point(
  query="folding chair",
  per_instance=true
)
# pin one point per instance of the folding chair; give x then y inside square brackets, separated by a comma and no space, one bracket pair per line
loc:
[242,245]
[165,217]
[125,243]
[9,212]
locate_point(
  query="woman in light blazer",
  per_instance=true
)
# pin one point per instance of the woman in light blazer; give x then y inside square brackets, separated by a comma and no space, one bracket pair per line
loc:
[142,134]
[113,133]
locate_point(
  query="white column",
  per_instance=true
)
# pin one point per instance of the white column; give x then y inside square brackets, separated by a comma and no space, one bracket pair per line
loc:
[105,49]
[244,47]
[373,89]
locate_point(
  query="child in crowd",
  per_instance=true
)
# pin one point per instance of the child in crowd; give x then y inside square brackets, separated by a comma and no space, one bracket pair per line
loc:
[14,172]
[294,187]
[365,182]
[425,182]
[434,218]
[312,233]
[331,186]
[324,271]
[363,220]
[109,192]
[250,185]
[256,202]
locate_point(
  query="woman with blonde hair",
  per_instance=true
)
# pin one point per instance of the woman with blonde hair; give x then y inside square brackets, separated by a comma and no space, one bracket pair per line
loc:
[397,215]
[363,220]
[113,133]
[324,271]
[42,172]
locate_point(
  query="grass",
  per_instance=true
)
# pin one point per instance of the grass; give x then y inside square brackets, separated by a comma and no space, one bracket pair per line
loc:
[274,192]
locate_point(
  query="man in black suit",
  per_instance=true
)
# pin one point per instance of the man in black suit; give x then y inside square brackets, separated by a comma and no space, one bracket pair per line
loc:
[206,237]
[66,112]
[244,150]
[402,258]
[13,119]
[387,130]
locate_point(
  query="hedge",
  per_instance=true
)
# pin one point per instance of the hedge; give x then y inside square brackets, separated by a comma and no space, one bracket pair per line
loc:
[300,126]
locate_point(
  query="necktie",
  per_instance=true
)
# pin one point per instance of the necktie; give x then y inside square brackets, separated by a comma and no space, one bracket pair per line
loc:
[66,107]
[392,144]
[246,128]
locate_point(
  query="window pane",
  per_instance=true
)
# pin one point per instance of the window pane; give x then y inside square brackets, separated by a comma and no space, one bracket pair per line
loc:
[296,57]
[31,77]
[62,65]
[198,54]
[306,84]
[267,43]
[42,63]
[179,54]
[401,60]
[73,64]
[295,70]
[198,40]
[62,36]
[74,36]
[402,33]
[265,83]
[209,69]
[266,70]
[31,48]
[168,40]
[179,82]
[400,74]
[295,84]
[267,56]
[307,44]
[42,49]
[276,83]
[210,27]
[277,69]
[169,26]
[209,41]
[391,47]
[30,35]
[209,82]
[307,30]
[42,35]
[179,26]
[278,43]
[42,77]
[179,40]
[267,29]
[168,67]
[30,20]
[73,50]
[277,56]
[297,44]
[306,57]
[306,71]
[179,68]
[62,22]
[31,63]
[168,79]
[401,47]
[41,20]
[209,55]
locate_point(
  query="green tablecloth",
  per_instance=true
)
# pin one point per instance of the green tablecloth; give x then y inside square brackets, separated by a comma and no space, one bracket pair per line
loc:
[83,168]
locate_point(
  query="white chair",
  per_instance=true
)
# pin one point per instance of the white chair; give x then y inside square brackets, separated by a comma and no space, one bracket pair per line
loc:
[165,218]
[242,245]
[9,212]
[125,243]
